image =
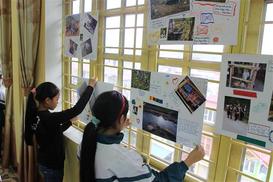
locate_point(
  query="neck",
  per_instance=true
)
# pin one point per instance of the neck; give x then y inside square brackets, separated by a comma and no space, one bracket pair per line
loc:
[110,131]
[42,108]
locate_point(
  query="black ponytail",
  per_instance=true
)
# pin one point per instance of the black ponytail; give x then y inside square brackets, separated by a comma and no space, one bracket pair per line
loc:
[88,151]
[30,119]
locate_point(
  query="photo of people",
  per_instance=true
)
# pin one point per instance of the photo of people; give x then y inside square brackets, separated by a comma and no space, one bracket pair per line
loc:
[72,27]
[86,47]
[246,75]
[190,94]
[161,8]
[216,1]
[160,121]
[72,47]
[90,24]
[181,29]
[270,114]
[236,115]
[163,33]
[141,79]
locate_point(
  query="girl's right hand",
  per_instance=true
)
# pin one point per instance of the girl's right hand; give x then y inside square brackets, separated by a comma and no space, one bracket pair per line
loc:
[195,155]
[92,82]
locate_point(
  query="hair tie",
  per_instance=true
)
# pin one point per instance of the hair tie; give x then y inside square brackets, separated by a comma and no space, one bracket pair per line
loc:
[95,121]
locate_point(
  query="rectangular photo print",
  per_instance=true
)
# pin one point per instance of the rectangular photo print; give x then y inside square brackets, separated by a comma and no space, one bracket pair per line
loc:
[72,25]
[90,24]
[246,75]
[189,94]
[161,8]
[141,79]
[181,29]
[160,121]
[236,115]
[86,47]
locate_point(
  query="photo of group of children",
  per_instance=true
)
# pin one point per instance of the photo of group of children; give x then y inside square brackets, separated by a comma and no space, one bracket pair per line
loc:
[141,79]
[190,94]
[80,35]
[160,121]
[246,75]
[236,114]
[161,8]
[181,29]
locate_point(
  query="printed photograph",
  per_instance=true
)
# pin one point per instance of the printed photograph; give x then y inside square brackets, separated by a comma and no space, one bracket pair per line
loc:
[72,26]
[216,1]
[236,115]
[190,95]
[160,121]
[141,79]
[163,33]
[161,8]
[246,75]
[270,114]
[90,24]
[86,47]
[181,29]
[73,46]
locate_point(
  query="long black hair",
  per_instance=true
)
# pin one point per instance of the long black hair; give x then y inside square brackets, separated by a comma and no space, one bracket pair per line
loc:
[43,91]
[108,108]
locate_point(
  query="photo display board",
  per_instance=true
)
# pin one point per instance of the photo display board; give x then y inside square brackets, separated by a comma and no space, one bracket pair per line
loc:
[100,87]
[245,102]
[81,36]
[169,106]
[193,21]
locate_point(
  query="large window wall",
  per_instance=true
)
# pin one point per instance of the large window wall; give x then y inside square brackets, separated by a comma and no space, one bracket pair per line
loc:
[122,47]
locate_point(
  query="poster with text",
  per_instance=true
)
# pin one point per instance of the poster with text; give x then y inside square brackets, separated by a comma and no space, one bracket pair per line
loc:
[168,106]
[81,36]
[193,21]
[245,103]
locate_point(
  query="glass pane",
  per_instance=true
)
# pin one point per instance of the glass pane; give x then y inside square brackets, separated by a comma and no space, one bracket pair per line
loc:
[140,2]
[172,47]
[246,179]
[140,20]
[76,7]
[74,97]
[130,2]
[86,60]
[113,22]
[209,116]
[256,164]
[137,66]
[210,75]
[111,50]
[127,64]
[129,38]
[129,51]
[87,5]
[169,54]
[74,68]
[170,69]
[162,151]
[110,62]
[138,52]
[208,48]
[112,38]
[267,42]
[127,78]
[126,134]
[212,95]
[133,137]
[206,142]
[110,75]
[111,4]
[269,12]
[139,37]
[206,57]
[130,20]
[85,70]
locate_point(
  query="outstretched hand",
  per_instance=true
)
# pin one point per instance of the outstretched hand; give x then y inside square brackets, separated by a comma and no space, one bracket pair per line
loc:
[195,155]
[93,81]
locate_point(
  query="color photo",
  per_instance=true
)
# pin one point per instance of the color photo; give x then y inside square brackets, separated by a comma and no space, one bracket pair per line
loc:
[181,29]
[160,121]
[141,79]
[190,95]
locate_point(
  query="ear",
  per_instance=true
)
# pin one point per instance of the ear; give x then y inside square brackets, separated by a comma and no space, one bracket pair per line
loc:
[47,100]
[124,121]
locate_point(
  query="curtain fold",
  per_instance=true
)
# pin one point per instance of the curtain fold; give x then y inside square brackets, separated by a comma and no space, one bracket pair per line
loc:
[29,32]
[9,149]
